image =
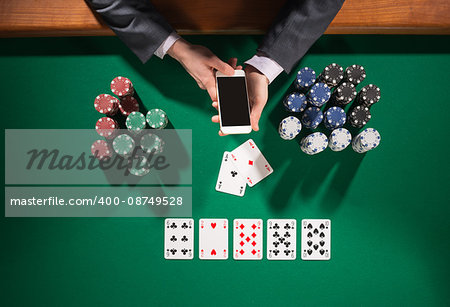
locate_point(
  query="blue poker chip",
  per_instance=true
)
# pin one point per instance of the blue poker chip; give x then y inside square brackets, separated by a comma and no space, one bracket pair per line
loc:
[295,102]
[312,117]
[334,117]
[319,94]
[305,78]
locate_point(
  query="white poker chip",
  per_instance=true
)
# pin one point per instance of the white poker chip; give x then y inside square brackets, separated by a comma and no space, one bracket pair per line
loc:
[314,143]
[339,139]
[289,127]
[367,140]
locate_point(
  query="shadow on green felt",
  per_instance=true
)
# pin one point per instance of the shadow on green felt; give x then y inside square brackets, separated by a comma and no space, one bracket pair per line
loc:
[221,44]
[171,79]
[327,175]
[307,175]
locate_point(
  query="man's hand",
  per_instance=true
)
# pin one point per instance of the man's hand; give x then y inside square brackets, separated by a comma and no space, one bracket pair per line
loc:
[200,63]
[258,92]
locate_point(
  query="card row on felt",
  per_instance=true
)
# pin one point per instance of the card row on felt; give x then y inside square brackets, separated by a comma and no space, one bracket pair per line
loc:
[248,239]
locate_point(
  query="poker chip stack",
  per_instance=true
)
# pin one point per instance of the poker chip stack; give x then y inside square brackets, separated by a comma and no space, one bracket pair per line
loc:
[122,87]
[134,144]
[312,97]
[295,102]
[355,74]
[306,77]
[334,118]
[151,143]
[106,104]
[135,122]
[106,127]
[128,105]
[157,119]
[339,139]
[359,116]
[312,117]
[319,94]
[343,94]
[139,166]
[314,143]
[368,95]
[332,75]
[289,128]
[123,145]
[101,149]
[367,140]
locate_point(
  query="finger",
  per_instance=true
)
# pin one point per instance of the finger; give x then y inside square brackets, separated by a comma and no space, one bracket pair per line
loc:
[222,66]
[215,119]
[233,62]
[254,120]
[200,85]
[239,67]
[215,105]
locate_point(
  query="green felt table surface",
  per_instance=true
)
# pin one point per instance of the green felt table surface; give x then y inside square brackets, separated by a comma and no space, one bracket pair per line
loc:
[389,208]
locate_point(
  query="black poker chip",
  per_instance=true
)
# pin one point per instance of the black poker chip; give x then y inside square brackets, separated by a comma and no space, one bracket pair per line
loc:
[332,75]
[344,93]
[359,116]
[355,74]
[369,95]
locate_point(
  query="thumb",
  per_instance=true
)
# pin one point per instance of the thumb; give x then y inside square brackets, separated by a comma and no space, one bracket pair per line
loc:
[255,114]
[222,67]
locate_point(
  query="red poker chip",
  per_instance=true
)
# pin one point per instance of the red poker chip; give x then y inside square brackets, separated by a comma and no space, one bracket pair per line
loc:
[106,127]
[128,104]
[122,86]
[106,104]
[100,149]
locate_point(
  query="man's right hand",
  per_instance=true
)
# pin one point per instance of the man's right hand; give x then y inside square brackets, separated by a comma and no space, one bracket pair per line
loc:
[200,63]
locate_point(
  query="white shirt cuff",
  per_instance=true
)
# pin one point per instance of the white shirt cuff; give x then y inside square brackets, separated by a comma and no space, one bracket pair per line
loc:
[265,65]
[165,46]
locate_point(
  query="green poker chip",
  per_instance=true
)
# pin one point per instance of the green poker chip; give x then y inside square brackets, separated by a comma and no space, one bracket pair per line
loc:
[139,166]
[123,145]
[151,142]
[135,122]
[157,119]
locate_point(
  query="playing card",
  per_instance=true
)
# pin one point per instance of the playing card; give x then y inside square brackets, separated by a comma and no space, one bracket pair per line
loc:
[281,239]
[179,239]
[247,239]
[316,239]
[230,179]
[213,239]
[251,162]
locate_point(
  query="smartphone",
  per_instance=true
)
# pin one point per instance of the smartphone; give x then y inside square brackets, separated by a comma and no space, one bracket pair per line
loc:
[234,109]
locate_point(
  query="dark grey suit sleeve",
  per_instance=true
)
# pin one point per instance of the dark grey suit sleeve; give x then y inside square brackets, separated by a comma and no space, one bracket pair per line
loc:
[298,25]
[136,23]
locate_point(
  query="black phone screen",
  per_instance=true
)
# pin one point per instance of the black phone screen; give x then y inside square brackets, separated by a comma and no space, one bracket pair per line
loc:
[233,101]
